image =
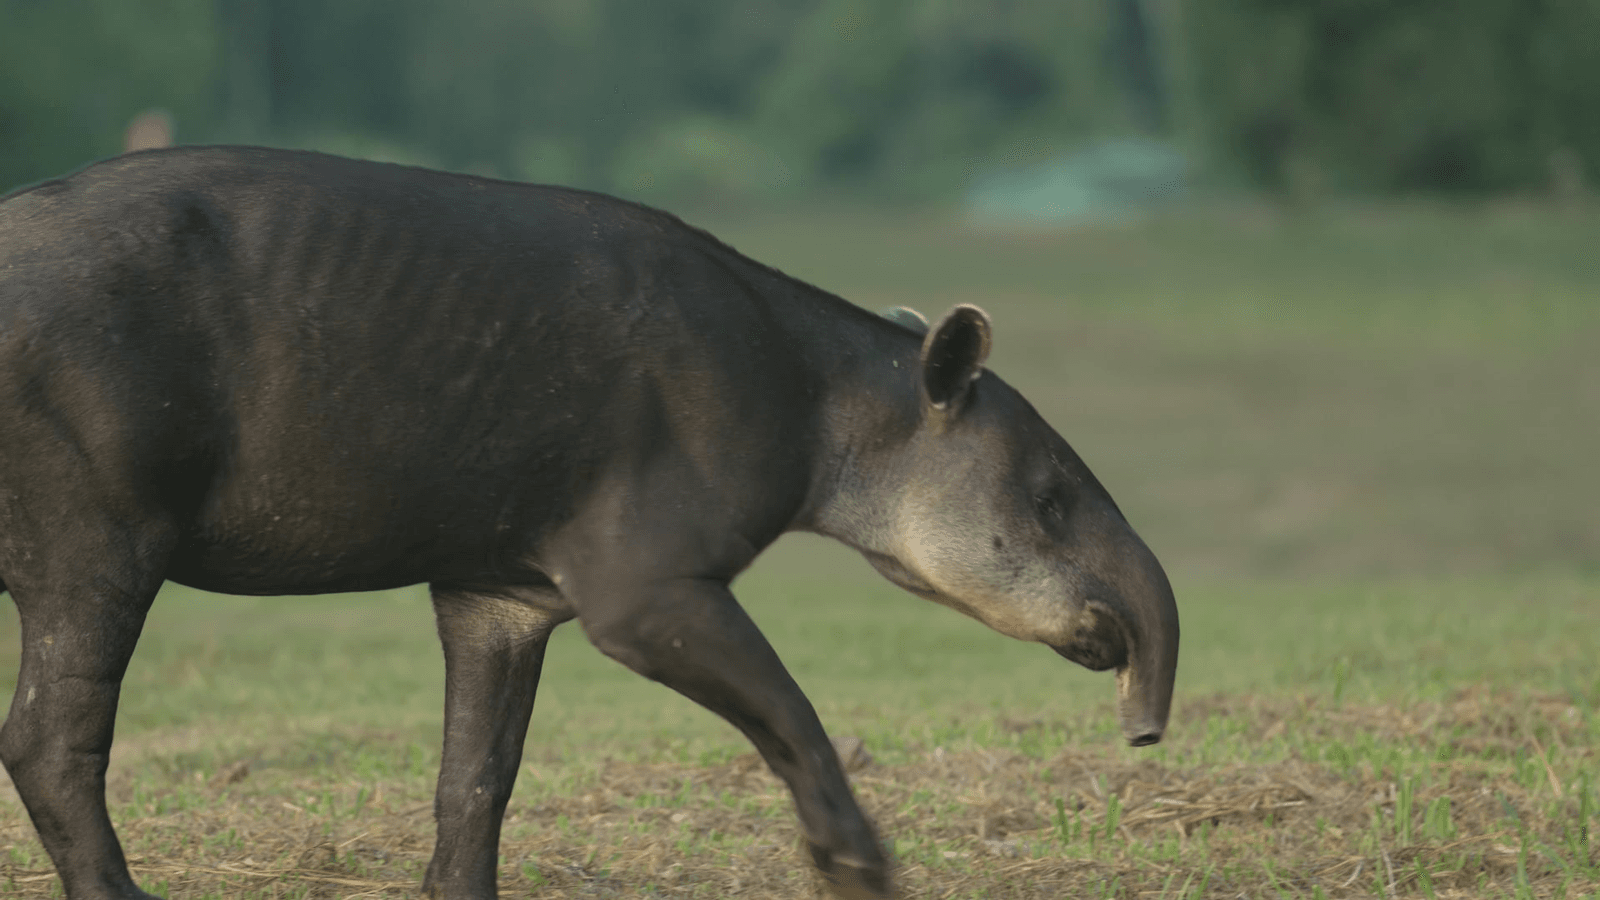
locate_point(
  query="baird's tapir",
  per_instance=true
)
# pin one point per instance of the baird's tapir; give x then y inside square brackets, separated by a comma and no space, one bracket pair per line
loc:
[269,372]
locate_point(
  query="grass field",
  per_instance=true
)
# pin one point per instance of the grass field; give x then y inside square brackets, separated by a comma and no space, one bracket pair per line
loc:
[1363,442]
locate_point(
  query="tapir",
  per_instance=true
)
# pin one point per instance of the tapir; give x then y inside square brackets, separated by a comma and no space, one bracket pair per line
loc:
[270,372]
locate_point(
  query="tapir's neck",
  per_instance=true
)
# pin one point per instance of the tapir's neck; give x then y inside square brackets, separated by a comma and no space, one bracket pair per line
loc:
[870,410]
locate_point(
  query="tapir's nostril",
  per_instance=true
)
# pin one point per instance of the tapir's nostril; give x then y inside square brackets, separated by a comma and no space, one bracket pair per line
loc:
[1145,740]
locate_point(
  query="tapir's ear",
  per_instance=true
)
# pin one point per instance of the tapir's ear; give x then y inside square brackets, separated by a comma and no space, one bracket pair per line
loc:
[953,355]
[910,318]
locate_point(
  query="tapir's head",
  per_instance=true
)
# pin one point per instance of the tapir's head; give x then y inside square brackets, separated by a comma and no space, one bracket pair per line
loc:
[989,511]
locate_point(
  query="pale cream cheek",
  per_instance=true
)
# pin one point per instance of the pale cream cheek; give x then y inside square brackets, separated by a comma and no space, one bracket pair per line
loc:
[954,553]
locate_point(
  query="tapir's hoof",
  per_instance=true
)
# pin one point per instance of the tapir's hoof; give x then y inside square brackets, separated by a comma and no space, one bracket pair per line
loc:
[850,878]
[130,891]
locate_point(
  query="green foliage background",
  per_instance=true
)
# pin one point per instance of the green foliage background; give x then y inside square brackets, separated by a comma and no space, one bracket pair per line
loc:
[1397,95]
[892,99]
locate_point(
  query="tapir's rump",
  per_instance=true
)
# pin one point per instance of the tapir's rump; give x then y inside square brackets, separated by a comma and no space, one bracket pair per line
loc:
[270,372]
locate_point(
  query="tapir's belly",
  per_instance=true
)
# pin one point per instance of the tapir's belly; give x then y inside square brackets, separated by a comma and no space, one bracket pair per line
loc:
[296,529]
[375,471]
[308,554]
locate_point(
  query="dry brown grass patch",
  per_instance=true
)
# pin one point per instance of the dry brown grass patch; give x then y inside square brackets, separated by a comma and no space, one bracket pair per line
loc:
[991,822]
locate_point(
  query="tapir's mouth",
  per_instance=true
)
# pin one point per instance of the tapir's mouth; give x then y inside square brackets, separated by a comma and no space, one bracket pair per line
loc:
[1098,647]
[1092,657]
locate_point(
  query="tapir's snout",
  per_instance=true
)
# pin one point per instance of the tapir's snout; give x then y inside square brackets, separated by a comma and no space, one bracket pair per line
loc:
[1144,683]
[1136,633]
[1142,702]
[1143,714]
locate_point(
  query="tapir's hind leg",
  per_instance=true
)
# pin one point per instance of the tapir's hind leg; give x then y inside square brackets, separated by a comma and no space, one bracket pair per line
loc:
[494,647]
[81,610]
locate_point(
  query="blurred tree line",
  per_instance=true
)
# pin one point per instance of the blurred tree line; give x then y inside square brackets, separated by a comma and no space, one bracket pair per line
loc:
[896,98]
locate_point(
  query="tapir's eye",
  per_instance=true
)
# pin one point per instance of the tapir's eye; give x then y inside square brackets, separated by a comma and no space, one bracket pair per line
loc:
[1047,506]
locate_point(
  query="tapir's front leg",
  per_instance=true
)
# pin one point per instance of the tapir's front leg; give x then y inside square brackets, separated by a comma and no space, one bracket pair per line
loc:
[692,635]
[494,647]
[82,604]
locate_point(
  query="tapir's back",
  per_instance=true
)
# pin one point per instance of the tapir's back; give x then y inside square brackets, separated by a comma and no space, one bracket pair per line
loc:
[271,233]
[294,345]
